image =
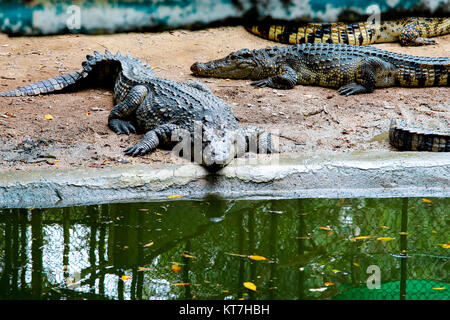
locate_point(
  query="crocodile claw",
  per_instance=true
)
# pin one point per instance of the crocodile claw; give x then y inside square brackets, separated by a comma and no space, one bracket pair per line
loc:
[350,89]
[261,83]
[137,150]
[120,126]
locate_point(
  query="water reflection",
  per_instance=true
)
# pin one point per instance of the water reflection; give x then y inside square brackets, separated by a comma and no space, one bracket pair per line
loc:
[303,249]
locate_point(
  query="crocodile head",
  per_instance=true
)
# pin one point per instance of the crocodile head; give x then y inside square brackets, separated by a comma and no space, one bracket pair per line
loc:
[219,148]
[241,64]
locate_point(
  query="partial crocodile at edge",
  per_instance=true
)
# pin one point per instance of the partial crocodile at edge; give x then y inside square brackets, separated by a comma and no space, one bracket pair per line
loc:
[406,138]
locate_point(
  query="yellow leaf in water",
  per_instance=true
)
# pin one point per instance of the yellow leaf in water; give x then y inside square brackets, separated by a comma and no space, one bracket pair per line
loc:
[148,244]
[257,258]
[48,117]
[326,228]
[439,288]
[329,284]
[175,196]
[445,245]
[385,239]
[336,271]
[360,238]
[176,268]
[427,200]
[125,278]
[144,269]
[181,284]
[250,286]
[236,254]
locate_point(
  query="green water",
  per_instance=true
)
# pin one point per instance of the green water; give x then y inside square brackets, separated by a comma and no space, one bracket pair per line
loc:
[304,249]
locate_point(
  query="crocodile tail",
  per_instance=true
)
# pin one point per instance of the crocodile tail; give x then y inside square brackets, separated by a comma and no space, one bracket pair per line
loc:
[359,33]
[46,86]
[437,27]
[69,79]
[410,139]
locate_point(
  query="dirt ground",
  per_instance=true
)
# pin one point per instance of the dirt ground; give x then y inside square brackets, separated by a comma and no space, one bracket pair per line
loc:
[307,119]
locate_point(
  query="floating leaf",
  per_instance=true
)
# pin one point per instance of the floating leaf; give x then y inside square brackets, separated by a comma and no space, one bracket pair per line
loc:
[427,200]
[148,244]
[125,278]
[175,196]
[336,271]
[236,254]
[176,268]
[360,238]
[181,284]
[257,258]
[48,117]
[144,269]
[385,239]
[250,286]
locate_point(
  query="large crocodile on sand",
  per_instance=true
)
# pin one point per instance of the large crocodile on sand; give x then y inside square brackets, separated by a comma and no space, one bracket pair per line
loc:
[408,31]
[408,138]
[160,108]
[350,69]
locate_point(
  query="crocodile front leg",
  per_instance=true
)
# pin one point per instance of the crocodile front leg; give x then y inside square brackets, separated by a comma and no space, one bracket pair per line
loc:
[125,108]
[152,140]
[286,80]
[366,76]
[258,140]
[411,34]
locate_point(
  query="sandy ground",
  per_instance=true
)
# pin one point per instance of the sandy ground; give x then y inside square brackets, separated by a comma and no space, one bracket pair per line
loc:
[308,119]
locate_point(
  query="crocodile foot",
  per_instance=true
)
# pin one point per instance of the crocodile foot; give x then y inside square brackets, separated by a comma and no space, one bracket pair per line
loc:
[120,126]
[350,89]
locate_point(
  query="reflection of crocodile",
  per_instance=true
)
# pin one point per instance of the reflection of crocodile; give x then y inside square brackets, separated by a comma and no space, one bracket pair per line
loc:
[409,31]
[407,138]
[159,108]
[352,69]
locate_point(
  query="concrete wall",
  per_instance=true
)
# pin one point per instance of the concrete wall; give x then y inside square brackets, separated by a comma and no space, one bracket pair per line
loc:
[40,17]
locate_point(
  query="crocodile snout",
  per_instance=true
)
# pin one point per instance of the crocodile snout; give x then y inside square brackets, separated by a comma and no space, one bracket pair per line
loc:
[198,67]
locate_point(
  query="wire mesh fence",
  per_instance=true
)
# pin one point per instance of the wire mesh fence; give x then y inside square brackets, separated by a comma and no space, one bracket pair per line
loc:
[289,249]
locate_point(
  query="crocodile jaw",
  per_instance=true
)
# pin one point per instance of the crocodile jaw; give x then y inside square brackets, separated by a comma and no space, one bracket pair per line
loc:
[222,68]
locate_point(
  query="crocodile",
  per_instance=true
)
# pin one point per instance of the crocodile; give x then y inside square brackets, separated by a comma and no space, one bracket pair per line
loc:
[407,31]
[406,138]
[160,109]
[349,68]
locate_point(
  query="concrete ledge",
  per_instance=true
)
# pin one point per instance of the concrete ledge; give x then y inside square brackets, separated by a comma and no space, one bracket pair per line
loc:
[380,174]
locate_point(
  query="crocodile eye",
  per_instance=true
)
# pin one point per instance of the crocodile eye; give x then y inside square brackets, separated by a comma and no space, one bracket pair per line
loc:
[245,53]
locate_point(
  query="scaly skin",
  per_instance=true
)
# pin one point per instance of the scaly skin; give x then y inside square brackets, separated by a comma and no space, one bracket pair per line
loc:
[348,68]
[160,109]
[406,138]
[407,31]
